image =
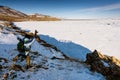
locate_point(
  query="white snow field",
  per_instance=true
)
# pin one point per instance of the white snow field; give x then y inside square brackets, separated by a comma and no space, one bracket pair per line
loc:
[57,69]
[77,38]
[73,38]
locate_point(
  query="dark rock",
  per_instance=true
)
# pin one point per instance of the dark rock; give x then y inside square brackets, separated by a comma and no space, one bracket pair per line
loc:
[5,76]
[17,67]
[3,60]
[0,67]
[44,67]
[106,65]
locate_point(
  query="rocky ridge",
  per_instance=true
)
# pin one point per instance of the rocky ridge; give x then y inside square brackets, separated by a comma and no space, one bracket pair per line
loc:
[109,66]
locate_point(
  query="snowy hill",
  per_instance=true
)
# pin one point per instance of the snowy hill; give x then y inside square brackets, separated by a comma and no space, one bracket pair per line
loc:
[4,10]
[45,66]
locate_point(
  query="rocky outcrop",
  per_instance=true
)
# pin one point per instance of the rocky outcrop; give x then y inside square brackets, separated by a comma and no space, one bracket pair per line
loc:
[106,65]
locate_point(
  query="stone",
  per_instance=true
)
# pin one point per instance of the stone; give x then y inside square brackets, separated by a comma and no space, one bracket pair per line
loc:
[106,65]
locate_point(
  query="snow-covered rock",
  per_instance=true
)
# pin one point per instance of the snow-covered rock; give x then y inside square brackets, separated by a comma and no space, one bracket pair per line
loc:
[106,65]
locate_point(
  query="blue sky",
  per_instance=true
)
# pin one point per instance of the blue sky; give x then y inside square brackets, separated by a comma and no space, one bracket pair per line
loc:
[76,9]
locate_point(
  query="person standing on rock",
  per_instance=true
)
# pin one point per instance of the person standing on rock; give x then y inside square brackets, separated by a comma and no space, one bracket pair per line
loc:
[24,47]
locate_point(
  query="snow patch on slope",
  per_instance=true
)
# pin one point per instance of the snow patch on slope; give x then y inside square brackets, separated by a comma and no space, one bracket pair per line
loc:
[57,69]
[8,39]
[68,48]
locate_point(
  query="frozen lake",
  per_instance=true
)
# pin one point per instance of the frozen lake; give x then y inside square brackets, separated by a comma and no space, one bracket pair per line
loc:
[103,35]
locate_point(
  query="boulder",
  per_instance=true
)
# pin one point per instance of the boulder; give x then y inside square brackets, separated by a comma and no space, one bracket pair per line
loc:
[106,65]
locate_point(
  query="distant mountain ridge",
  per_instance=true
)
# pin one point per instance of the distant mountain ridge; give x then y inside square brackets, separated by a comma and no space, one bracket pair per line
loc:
[4,10]
[38,15]
[9,14]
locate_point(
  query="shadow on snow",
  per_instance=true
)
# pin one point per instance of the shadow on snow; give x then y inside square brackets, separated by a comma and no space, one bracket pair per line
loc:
[69,48]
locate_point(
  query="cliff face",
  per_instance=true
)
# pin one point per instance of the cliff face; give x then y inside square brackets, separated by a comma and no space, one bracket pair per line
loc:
[106,65]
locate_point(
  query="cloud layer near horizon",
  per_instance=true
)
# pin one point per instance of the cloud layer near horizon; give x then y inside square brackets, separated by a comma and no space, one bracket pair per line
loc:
[103,8]
[107,11]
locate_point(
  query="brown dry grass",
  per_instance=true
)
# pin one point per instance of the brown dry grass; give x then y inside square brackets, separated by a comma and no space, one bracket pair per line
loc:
[33,18]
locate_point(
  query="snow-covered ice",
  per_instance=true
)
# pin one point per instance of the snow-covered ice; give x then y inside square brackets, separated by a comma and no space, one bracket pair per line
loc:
[103,35]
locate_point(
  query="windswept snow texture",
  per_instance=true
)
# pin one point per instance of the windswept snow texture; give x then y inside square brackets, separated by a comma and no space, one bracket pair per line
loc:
[57,69]
[103,35]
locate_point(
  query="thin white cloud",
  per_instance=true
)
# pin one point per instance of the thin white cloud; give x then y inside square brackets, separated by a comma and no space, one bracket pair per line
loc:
[95,12]
[103,8]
